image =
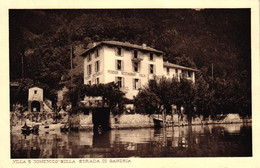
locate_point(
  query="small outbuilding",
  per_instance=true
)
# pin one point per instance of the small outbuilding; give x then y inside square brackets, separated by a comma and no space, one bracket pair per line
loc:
[35,99]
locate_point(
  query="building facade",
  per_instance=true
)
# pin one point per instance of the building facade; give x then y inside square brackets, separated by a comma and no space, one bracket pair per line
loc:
[35,99]
[130,65]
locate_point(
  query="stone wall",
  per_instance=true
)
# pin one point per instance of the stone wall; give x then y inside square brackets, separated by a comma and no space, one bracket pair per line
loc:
[80,121]
[86,121]
[130,121]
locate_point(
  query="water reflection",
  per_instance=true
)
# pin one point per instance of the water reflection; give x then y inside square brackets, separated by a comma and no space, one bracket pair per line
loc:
[188,141]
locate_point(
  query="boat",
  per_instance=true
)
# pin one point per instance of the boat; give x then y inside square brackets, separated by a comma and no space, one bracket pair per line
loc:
[26,129]
[158,122]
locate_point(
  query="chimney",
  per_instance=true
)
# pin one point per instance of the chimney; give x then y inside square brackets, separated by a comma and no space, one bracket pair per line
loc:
[94,44]
[144,46]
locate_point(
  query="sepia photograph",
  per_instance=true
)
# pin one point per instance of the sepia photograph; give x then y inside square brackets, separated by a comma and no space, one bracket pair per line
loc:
[123,83]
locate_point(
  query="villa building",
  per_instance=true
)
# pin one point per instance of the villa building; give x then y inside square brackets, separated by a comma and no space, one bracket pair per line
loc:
[130,65]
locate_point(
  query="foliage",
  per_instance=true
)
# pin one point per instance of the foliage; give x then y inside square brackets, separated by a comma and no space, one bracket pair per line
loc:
[205,103]
[161,94]
[111,95]
[146,102]
[41,40]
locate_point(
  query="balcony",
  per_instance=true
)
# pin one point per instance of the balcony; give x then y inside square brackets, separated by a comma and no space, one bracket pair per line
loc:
[138,59]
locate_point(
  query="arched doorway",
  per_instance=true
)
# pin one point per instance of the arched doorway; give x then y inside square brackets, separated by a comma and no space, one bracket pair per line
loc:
[35,106]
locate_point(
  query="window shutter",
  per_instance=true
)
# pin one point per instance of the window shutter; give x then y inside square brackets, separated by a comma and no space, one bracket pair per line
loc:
[154,69]
[122,52]
[116,79]
[123,82]
[115,51]
[133,80]
[139,83]
[122,65]
[115,64]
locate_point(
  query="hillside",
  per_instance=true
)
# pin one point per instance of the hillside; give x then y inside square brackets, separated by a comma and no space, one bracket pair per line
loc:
[195,38]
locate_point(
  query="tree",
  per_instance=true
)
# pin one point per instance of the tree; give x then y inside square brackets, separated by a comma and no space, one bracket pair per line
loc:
[188,94]
[205,102]
[146,102]
[111,95]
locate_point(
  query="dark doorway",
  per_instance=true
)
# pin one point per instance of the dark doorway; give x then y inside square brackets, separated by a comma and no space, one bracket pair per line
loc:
[100,119]
[35,106]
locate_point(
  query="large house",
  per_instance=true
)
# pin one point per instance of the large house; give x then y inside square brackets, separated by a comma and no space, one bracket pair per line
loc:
[130,65]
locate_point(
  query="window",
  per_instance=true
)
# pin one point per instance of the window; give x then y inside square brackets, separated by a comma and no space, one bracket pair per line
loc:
[97,53]
[89,69]
[176,72]
[118,51]
[89,57]
[97,66]
[97,81]
[189,74]
[135,54]
[151,69]
[151,56]
[136,66]
[35,92]
[136,84]
[119,65]
[119,81]
[168,70]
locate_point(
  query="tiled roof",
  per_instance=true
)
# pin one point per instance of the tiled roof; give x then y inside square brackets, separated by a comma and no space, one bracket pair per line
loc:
[123,44]
[171,65]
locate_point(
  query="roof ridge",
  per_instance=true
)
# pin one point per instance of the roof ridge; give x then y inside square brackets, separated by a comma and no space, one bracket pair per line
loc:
[177,66]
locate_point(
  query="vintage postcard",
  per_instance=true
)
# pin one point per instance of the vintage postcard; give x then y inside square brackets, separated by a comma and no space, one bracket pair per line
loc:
[142,84]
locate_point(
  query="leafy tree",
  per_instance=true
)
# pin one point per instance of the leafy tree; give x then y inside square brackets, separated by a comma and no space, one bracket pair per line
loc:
[146,102]
[111,95]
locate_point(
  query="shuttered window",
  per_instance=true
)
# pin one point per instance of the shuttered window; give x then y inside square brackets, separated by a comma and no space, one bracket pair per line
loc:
[119,51]
[151,56]
[135,54]
[97,53]
[97,81]
[152,69]
[136,83]
[120,81]
[119,65]
[89,69]
[97,66]
[135,66]
[89,57]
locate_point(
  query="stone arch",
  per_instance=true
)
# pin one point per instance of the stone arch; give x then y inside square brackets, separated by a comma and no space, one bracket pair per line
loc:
[35,106]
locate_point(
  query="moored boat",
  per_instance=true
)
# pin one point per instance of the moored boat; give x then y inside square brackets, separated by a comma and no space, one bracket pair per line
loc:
[158,122]
[26,129]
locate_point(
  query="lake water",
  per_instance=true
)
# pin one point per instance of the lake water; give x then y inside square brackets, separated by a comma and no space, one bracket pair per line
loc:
[221,140]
